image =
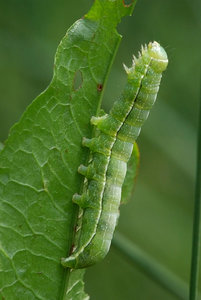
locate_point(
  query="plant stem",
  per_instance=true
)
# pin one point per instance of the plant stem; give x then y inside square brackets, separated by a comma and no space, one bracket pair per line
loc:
[196,223]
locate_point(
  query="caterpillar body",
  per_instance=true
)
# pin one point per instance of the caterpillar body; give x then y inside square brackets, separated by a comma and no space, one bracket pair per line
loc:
[111,149]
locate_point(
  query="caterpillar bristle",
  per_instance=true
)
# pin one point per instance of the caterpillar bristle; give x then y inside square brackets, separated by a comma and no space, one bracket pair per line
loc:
[127,70]
[134,59]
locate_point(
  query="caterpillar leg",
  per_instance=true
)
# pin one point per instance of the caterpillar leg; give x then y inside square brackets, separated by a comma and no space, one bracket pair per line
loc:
[81,200]
[100,144]
[101,112]
[69,262]
[88,172]
[84,201]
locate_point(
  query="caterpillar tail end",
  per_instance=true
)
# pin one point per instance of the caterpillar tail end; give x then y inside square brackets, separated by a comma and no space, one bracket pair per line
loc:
[68,262]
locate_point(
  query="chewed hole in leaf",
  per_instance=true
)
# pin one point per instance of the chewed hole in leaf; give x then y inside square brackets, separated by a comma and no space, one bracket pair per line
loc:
[127,3]
[78,80]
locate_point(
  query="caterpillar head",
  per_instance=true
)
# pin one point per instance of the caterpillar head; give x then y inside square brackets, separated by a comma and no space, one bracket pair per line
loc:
[159,60]
[153,55]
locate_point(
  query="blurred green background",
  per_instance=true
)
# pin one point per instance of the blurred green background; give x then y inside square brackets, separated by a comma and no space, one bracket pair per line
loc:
[159,217]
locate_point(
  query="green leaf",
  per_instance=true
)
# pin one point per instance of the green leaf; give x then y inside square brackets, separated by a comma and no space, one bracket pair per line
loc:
[75,288]
[38,165]
[132,171]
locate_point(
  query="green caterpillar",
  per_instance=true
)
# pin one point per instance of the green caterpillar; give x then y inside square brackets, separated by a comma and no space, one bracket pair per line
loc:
[111,149]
